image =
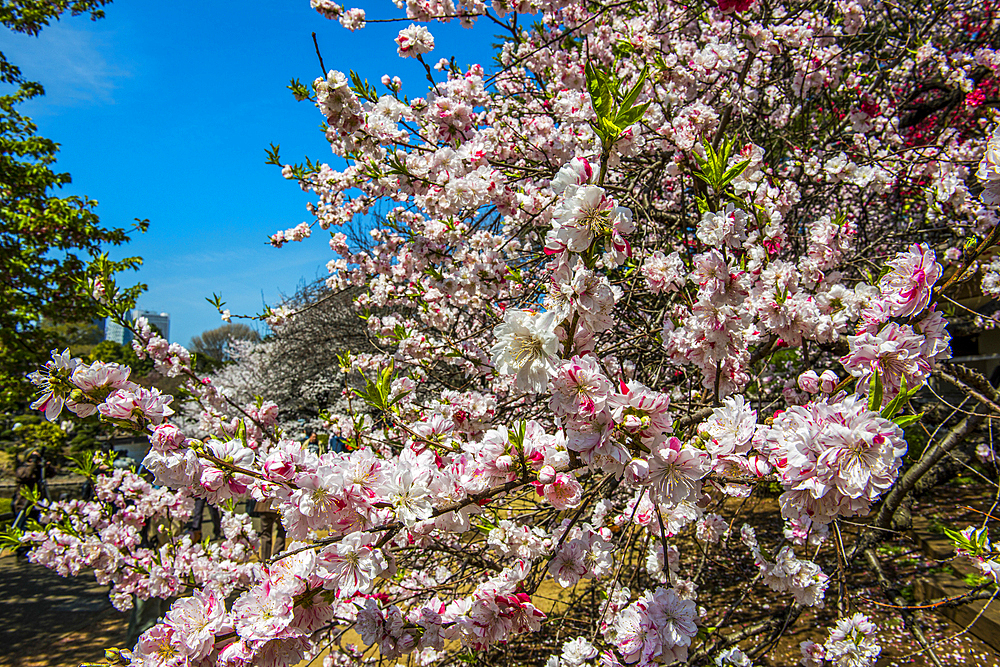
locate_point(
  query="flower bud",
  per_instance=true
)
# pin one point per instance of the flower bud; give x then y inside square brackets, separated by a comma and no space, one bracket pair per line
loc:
[504,463]
[637,472]
[114,656]
[758,465]
[809,382]
[546,475]
[828,381]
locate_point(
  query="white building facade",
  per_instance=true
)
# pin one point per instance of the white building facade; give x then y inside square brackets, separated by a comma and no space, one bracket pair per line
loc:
[119,334]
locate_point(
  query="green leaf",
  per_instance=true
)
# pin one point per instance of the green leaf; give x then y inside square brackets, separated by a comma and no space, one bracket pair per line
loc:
[362,89]
[299,90]
[630,116]
[622,49]
[10,538]
[484,526]
[85,464]
[376,394]
[733,172]
[273,156]
[875,392]
[896,404]
[906,420]
[611,130]
[344,361]
[516,435]
[699,160]
[600,91]
[975,546]
[633,94]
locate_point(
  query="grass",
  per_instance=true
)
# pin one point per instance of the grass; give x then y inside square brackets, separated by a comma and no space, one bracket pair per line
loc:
[937,526]
[974,579]
[891,549]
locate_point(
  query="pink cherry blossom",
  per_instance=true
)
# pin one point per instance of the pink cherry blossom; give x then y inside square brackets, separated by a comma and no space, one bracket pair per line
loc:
[907,288]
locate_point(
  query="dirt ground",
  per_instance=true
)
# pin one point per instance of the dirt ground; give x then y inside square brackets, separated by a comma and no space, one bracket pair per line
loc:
[51,621]
[903,560]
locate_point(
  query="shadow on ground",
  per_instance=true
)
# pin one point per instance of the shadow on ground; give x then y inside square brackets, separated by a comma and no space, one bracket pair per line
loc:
[51,621]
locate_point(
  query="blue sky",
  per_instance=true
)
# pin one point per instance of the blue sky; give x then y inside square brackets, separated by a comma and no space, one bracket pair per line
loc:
[164,110]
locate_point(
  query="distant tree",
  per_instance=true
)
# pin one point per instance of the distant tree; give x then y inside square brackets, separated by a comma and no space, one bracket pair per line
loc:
[302,369]
[214,343]
[80,337]
[45,240]
[296,366]
[30,432]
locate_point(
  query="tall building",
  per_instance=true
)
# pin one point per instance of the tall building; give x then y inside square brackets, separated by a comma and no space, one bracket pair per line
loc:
[119,334]
[159,320]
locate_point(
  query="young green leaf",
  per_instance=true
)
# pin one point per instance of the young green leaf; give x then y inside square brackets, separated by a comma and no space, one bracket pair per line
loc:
[896,404]
[631,115]
[633,94]
[905,420]
[733,172]
[875,392]
[600,91]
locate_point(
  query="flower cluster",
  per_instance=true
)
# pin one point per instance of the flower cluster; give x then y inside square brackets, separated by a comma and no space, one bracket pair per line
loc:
[850,644]
[658,627]
[834,456]
[802,578]
[123,535]
[586,327]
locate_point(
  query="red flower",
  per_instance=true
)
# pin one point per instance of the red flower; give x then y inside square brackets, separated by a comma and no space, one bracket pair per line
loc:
[730,6]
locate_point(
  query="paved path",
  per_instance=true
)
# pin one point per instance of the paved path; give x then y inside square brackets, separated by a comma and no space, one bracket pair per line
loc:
[50,621]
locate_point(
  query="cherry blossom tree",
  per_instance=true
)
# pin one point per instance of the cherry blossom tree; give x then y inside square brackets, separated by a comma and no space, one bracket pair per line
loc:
[662,261]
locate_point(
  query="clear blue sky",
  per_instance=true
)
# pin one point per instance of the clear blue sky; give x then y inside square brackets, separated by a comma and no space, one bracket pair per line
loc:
[164,110]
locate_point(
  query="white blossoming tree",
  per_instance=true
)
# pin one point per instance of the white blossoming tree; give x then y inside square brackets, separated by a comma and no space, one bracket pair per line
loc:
[648,325]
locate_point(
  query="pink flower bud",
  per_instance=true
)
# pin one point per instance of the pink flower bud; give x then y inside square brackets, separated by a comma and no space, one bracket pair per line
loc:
[637,472]
[278,466]
[809,382]
[758,465]
[828,381]
[505,463]
[546,475]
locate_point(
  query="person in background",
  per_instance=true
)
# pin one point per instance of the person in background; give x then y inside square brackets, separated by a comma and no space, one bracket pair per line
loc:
[123,461]
[194,526]
[312,442]
[31,476]
[269,521]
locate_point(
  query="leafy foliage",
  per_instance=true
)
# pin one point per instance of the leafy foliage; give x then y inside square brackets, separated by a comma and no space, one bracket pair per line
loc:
[45,240]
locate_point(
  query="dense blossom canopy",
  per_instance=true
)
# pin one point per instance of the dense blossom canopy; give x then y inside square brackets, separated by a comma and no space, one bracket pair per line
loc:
[659,260]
